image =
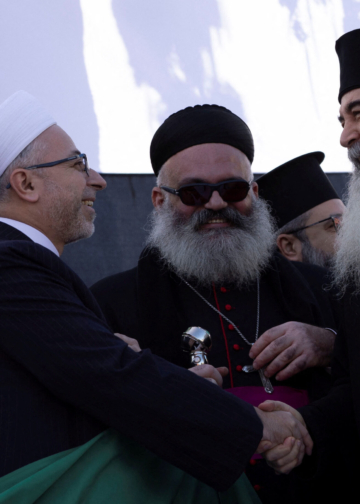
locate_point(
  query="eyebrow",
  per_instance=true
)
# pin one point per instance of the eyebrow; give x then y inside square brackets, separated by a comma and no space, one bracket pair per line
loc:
[190,180]
[349,107]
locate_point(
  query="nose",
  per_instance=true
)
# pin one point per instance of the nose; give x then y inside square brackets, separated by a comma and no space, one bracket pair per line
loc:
[215,202]
[350,134]
[95,180]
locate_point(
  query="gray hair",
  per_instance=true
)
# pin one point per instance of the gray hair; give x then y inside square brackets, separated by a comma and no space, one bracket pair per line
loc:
[296,223]
[237,254]
[27,157]
[346,267]
[160,179]
[310,255]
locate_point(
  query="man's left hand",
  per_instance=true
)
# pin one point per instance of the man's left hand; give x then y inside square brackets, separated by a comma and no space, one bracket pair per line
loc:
[291,348]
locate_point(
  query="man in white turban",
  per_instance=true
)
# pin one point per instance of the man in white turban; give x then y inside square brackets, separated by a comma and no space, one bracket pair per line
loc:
[64,377]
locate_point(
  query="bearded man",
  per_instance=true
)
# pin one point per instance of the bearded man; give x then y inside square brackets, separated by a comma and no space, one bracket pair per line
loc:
[209,262]
[306,208]
[65,377]
[335,419]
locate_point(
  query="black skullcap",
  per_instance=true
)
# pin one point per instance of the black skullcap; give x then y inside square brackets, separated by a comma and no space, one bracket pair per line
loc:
[348,51]
[295,187]
[198,125]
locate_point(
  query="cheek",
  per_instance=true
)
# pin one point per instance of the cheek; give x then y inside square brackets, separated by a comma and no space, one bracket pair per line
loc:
[185,210]
[244,207]
[323,240]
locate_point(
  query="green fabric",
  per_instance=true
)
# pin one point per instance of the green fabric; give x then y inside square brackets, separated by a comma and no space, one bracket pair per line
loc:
[112,469]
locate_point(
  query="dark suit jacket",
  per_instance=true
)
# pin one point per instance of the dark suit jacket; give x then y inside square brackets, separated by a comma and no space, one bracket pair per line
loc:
[64,378]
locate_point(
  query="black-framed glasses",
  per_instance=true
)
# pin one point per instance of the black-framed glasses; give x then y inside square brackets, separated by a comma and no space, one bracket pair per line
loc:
[82,157]
[230,191]
[336,220]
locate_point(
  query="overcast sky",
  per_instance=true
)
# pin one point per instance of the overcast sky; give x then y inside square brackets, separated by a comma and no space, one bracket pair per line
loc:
[111,71]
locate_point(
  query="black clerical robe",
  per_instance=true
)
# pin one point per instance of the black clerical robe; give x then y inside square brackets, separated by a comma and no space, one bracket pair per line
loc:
[337,416]
[155,306]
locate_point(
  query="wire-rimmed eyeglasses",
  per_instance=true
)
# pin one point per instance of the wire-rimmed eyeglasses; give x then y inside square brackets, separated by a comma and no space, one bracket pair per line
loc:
[336,219]
[82,157]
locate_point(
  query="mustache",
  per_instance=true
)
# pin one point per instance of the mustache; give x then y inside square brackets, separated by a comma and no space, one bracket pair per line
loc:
[231,215]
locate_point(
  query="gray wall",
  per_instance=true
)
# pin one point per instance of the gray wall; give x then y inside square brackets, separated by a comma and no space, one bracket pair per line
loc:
[122,211]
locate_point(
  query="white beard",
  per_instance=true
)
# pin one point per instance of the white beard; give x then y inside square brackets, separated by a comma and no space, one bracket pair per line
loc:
[235,254]
[347,260]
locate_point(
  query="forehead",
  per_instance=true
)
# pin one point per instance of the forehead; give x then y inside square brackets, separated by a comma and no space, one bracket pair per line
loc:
[347,99]
[324,210]
[207,162]
[57,144]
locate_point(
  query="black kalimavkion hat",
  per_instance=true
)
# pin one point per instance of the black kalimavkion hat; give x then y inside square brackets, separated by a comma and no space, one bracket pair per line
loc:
[295,187]
[198,125]
[348,51]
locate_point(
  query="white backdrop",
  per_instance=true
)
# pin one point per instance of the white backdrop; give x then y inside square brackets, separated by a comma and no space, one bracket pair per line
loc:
[112,71]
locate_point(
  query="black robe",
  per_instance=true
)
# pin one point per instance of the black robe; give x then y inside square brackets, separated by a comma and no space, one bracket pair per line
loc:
[155,306]
[337,416]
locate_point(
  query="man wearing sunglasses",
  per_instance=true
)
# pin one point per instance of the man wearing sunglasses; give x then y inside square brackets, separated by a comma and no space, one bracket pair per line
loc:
[306,207]
[209,262]
[64,377]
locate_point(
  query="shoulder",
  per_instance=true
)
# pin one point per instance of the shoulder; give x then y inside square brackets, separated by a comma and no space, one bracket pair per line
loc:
[315,275]
[116,293]
[117,298]
[26,253]
[30,263]
[115,283]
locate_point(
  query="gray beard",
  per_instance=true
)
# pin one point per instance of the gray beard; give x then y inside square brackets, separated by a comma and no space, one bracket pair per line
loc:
[235,254]
[346,267]
[311,255]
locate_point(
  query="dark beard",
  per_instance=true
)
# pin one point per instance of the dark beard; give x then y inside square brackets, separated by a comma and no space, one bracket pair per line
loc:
[235,254]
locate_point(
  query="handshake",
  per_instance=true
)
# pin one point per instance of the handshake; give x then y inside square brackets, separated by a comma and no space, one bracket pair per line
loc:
[285,437]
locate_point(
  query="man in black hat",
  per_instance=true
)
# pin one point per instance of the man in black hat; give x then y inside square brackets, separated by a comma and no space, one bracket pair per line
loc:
[209,263]
[336,418]
[306,208]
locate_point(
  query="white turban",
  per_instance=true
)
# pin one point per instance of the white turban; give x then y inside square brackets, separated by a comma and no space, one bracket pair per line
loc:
[22,119]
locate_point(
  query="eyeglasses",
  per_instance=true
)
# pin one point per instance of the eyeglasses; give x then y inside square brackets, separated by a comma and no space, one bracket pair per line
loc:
[82,157]
[335,219]
[199,194]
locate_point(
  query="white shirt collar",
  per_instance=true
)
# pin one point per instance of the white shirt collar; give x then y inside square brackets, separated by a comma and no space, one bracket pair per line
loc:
[34,234]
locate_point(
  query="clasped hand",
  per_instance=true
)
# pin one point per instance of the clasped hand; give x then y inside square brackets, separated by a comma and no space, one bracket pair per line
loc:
[285,437]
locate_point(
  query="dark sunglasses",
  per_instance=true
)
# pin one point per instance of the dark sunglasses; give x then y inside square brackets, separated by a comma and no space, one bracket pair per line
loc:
[335,219]
[199,194]
[60,161]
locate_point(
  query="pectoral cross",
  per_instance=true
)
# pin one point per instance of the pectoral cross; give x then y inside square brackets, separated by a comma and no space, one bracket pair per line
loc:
[269,389]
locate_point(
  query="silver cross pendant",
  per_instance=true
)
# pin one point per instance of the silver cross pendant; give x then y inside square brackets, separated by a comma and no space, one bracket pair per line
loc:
[269,389]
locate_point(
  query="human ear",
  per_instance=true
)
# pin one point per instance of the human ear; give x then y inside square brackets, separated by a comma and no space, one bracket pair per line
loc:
[26,185]
[157,197]
[290,247]
[255,189]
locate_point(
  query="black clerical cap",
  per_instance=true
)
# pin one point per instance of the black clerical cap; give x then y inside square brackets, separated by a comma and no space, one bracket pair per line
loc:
[198,125]
[348,51]
[295,187]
